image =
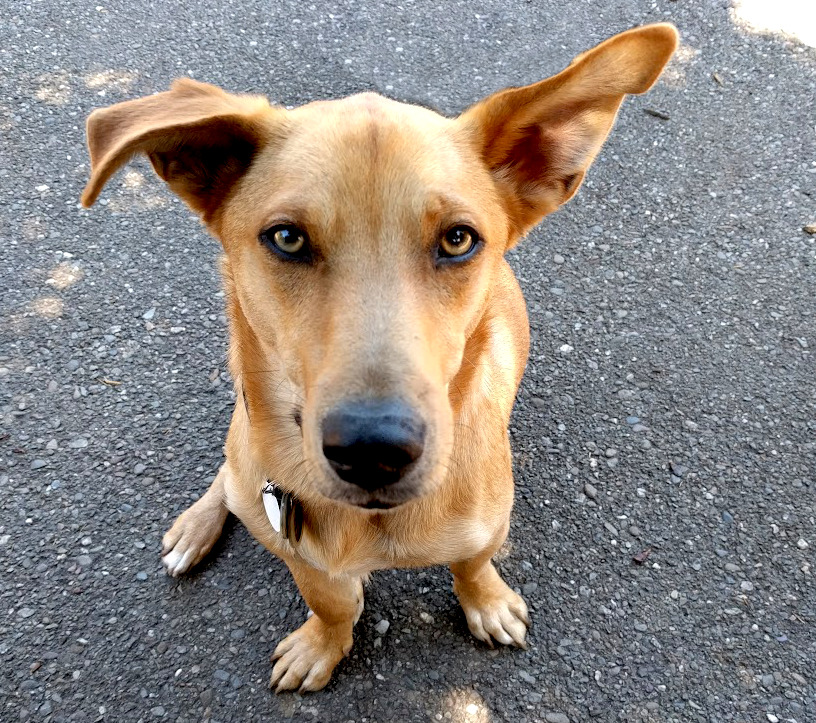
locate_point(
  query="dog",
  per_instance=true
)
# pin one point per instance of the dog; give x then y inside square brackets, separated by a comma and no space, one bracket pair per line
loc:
[377,334]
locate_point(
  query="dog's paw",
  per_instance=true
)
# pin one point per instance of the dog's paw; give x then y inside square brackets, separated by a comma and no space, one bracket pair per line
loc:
[306,658]
[494,612]
[192,536]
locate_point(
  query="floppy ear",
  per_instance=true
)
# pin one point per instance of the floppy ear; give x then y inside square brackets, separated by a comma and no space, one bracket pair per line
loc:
[199,139]
[539,140]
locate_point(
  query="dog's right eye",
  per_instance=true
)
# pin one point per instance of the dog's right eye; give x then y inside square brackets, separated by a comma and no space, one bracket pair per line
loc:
[288,241]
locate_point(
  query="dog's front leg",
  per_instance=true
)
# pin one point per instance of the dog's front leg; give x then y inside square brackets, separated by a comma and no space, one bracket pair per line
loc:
[197,528]
[306,658]
[492,609]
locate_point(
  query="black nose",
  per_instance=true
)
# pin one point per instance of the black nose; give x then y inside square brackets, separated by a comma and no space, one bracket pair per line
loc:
[372,443]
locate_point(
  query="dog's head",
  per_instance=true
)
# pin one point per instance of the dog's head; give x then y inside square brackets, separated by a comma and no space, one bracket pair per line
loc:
[364,236]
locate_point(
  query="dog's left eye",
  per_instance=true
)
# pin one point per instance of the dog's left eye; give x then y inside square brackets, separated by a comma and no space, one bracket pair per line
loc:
[288,241]
[458,243]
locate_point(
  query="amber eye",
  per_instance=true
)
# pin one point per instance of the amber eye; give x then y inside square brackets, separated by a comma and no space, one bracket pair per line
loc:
[458,242]
[288,241]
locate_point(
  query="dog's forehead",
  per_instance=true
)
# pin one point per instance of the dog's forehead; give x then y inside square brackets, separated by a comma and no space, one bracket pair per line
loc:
[367,132]
[371,111]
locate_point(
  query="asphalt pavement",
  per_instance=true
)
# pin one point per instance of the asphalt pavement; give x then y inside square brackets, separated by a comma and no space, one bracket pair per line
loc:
[664,436]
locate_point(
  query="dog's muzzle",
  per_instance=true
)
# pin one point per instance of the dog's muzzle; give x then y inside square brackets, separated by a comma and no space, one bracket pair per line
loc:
[372,443]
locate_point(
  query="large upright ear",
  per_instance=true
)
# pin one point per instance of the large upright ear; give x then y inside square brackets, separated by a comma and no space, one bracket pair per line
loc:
[539,140]
[199,139]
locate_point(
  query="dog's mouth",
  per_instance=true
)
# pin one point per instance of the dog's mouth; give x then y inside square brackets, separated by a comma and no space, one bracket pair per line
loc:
[379,505]
[386,498]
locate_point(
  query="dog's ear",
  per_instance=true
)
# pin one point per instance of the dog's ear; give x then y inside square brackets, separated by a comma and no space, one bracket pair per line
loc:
[199,139]
[539,140]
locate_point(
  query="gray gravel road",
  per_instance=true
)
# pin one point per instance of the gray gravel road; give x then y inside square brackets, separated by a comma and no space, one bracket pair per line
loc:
[669,404]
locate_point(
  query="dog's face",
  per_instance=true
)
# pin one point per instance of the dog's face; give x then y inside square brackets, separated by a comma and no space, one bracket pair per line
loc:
[367,300]
[363,237]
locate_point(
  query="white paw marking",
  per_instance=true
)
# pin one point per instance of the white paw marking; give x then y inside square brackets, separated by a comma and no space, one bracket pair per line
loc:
[177,562]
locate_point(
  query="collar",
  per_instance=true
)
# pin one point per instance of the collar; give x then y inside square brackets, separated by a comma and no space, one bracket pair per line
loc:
[285,512]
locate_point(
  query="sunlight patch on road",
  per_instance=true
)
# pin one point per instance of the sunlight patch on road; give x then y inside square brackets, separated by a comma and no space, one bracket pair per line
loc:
[34,228]
[795,19]
[145,202]
[464,706]
[133,179]
[55,88]
[674,76]
[49,307]
[64,275]
[107,79]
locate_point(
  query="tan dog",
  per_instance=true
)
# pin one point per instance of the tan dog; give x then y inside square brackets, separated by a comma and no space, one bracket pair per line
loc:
[377,335]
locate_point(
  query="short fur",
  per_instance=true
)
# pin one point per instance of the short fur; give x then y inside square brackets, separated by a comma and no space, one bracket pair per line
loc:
[375,183]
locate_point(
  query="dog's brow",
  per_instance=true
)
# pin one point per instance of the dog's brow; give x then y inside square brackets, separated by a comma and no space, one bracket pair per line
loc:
[291,210]
[447,204]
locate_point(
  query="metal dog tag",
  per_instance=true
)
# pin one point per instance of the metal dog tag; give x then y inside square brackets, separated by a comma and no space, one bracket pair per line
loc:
[284,511]
[272,497]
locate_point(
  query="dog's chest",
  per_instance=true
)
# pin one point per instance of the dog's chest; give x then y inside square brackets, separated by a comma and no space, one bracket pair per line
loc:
[343,541]
[394,548]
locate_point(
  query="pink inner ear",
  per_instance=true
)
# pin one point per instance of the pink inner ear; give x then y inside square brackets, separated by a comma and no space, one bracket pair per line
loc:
[545,165]
[548,156]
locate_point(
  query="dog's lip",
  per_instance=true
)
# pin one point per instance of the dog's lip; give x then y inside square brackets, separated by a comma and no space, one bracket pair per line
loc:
[377,501]
[372,503]
[378,505]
